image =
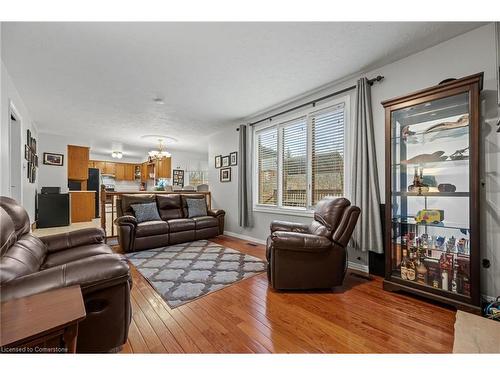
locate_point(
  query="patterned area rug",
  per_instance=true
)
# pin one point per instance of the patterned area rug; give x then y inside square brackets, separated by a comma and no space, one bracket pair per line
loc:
[181,273]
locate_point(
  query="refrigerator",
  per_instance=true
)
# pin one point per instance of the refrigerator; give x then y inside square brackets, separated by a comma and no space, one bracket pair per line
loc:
[94,184]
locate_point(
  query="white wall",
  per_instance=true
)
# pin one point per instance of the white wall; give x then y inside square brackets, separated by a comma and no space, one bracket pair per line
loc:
[9,96]
[51,175]
[466,54]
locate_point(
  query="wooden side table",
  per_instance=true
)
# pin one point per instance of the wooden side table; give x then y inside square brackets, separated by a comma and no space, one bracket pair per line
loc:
[42,323]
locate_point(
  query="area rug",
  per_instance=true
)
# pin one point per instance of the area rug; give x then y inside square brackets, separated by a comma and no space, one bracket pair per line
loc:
[184,272]
[475,334]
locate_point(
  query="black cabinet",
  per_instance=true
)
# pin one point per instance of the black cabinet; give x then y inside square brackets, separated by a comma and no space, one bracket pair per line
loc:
[53,210]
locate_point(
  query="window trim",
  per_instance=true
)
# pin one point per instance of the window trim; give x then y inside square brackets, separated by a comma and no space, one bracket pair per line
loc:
[280,123]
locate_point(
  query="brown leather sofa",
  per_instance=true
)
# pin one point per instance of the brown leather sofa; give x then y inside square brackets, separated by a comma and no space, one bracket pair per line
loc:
[312,256]
[31,265]
[175,226]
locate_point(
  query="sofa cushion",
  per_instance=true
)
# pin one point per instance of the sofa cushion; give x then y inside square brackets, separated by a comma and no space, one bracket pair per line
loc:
[181,225]
[196,207]
[75,253]
[146,212]
[205,222]
[184,198]
[169,206]
[151,228]
[128,199]
[22,258]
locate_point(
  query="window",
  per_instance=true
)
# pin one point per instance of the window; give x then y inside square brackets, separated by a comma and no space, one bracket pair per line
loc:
[300,160]
[267,160]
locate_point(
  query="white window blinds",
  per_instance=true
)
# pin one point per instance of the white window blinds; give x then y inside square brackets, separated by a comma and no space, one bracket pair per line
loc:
[294,170]
[327,154]
[267,161]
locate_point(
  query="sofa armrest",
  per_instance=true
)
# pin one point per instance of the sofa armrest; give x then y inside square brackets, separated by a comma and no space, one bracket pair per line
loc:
[92,273]
[126,220]
[303,242]
[215,212]
[287,226]
[62,241]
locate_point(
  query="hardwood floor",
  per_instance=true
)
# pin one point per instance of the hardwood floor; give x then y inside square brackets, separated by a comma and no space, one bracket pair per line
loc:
[250,317]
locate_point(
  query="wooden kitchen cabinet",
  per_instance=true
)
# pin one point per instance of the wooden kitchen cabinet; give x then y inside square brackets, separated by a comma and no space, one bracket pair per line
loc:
[109,168]
[91,164]
[99,165]
[129,172]
[163,168]
[119,171]
[144,172]
[78,163]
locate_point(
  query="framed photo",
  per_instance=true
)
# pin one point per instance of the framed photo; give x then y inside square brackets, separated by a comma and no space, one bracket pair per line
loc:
[29,169]
[53,159]
[225,161]
[225,175]
[33,145]
[178,178]
[35,161]
[28,138]
[233,158]
[26,152]
[218,161]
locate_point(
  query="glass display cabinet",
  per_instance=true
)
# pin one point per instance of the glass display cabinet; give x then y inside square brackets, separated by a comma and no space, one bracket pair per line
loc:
[432,192]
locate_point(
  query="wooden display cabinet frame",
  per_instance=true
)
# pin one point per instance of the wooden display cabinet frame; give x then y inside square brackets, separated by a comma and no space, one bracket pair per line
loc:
[471,85]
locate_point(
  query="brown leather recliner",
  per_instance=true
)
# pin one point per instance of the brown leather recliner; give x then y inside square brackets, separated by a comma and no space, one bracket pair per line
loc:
[302,256]
[31,265]
[175,225]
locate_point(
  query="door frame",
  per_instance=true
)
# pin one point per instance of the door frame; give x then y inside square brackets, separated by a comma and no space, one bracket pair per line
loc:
[15,113]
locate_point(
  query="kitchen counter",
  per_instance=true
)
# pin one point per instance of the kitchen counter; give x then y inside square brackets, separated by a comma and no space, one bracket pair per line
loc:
[82,191]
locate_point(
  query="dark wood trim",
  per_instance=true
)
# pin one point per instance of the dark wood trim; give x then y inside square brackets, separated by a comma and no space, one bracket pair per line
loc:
[436,89]
[471,85]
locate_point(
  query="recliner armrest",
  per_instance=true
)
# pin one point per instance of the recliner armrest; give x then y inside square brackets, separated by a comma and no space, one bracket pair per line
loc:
[62,241]
[126,220]
[216,212]
[92,273]
[303,242]
[287,226]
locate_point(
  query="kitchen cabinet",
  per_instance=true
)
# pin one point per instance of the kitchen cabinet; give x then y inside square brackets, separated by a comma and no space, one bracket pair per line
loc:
[144,172]
[91,164]
[99,165]
[163,168]
[78,163]
[129,172]
[119,171]
[109,168]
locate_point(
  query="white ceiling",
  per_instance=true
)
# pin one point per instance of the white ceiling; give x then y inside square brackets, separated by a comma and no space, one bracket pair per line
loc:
[97,81]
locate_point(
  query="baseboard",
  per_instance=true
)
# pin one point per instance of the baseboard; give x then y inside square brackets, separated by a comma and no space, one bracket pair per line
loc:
[243,237]
[358,267]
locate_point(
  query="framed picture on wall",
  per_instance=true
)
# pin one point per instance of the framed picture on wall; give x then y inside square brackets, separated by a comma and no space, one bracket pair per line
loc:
[225,161]
[225,175]
[218,161]
[26,152]
[233,158]
[50,158]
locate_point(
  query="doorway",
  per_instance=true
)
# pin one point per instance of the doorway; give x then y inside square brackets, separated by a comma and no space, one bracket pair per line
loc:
[15,142]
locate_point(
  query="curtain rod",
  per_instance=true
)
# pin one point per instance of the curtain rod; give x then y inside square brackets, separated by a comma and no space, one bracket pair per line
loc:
[313,102]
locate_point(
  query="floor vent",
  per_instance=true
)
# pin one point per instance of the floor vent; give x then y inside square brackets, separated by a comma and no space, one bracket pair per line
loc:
[251,244]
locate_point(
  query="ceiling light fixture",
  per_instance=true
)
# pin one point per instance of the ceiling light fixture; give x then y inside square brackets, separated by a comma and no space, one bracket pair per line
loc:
[158,101]
[160,153]
[117,154]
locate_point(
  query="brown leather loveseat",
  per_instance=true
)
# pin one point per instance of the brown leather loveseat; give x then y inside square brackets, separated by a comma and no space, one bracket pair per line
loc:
[174,227]
[312,256]
[31,265]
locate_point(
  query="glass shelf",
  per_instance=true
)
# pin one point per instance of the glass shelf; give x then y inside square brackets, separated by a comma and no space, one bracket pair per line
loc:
[410,220]
[432,194]
[444,163]
[423,137]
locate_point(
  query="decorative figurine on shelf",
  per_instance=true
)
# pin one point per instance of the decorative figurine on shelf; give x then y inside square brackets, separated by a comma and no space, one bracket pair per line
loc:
[461,122]
[450,245]
[406,134]
[429,216]
[426,158]
[418,185]
[440,242]
[463,246]
[447,188]
[461,154]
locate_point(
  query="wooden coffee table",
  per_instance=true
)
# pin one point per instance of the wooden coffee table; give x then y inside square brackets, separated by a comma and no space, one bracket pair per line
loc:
[42,323]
